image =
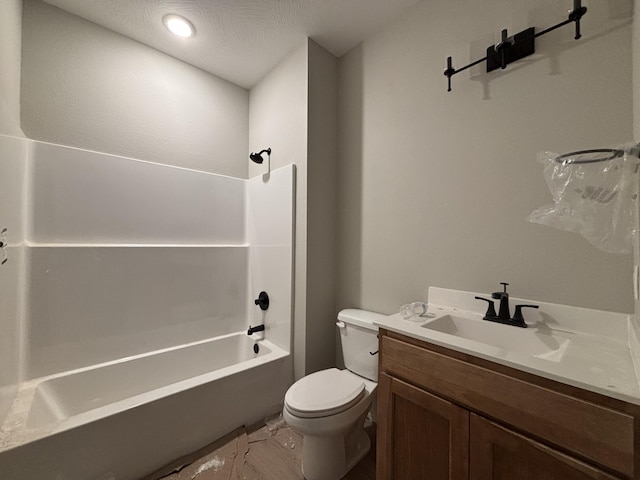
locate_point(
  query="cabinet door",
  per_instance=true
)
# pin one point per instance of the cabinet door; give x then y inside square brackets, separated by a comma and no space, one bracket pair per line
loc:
[420,436]
[500,454]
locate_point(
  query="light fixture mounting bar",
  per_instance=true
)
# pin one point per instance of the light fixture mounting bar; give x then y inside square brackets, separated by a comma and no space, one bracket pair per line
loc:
[511,49]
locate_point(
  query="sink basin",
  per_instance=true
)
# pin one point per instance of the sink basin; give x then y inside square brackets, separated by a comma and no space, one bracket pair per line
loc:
[544,345]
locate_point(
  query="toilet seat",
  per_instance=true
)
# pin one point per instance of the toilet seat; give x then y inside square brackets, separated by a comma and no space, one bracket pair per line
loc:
[324,393]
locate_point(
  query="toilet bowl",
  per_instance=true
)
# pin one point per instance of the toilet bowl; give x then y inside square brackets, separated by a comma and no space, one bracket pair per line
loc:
[328,408]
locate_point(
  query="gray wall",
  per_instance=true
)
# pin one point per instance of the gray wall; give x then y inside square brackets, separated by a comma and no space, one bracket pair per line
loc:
[85,86]
[293,111]
[435,187]
[321,209]
[278,119]
[11,194]
[12,273]
[10,44]
[636,103]
[636,73]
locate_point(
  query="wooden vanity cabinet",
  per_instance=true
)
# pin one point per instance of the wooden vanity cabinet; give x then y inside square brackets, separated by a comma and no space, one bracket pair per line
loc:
[443,415]
[428,436]
[498,453]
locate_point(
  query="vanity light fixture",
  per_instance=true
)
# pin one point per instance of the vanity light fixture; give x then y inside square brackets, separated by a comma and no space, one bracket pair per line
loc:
[179,26]
[518,46]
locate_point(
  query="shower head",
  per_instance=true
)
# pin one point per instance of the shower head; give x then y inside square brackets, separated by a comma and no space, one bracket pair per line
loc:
[257,157]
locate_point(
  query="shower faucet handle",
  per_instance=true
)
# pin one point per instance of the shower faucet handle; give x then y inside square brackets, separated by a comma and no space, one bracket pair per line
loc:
[262,301]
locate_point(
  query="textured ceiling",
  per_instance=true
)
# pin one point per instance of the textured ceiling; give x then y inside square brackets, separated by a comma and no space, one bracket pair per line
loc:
[241,40]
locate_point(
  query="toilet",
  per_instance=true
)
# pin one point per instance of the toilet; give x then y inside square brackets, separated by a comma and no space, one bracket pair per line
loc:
[328,408]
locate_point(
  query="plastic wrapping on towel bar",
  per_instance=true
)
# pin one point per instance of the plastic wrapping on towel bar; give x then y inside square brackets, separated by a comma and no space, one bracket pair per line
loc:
[592,195]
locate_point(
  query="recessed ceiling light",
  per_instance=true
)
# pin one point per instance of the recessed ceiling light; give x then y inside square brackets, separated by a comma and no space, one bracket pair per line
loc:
[179,26]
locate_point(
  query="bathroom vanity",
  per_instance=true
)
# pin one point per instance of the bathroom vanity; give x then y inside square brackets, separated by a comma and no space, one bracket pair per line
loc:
[454,408]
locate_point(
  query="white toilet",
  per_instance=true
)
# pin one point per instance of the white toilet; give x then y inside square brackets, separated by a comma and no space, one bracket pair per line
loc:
[328,408]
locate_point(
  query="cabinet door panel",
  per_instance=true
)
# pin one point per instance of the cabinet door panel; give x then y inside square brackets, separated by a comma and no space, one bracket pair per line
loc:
[420,436]
[500,454]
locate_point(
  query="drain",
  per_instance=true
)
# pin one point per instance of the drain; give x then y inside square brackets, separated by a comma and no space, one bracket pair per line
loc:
[256,348]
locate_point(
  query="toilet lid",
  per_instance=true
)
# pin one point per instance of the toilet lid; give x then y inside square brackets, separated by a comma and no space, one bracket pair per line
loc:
[324,393]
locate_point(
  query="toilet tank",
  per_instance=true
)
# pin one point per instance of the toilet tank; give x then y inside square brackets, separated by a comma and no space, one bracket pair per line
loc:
[359,339]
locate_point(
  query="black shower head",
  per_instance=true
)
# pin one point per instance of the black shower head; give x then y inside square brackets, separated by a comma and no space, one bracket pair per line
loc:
[257,157]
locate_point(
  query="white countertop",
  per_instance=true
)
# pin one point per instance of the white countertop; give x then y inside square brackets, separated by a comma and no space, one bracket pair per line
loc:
[591,349]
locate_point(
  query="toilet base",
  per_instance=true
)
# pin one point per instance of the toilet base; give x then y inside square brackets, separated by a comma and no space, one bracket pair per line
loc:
[330,458]
[332,445]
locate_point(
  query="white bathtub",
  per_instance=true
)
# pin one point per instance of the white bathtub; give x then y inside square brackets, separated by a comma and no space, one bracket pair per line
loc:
[124,419]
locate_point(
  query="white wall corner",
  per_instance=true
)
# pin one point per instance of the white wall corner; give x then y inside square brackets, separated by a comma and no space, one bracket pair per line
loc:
[278,111]
[270,224]
[322,208]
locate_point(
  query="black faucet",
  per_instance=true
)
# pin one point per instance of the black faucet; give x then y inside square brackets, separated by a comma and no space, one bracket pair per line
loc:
[503,296]
[252,330]
[262,301]
[503,315]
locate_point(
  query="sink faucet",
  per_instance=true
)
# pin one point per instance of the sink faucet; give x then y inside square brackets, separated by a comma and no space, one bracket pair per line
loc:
[503,296]
[503,315]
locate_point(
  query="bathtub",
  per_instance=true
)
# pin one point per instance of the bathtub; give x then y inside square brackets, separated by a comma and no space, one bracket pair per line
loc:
[126,418]
[120,335]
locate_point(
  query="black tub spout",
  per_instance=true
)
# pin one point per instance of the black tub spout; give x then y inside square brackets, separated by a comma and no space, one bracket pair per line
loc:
[252,330]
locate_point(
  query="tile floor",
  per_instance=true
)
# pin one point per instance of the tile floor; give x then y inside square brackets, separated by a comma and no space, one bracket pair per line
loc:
[270,451]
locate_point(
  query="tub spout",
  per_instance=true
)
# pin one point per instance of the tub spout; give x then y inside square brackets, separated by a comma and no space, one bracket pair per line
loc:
[252,330]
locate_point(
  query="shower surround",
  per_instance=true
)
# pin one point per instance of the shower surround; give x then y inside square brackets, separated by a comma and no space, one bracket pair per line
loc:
[131,288]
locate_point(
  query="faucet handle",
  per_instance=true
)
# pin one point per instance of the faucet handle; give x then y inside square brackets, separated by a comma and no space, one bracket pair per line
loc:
[517,316]
[262,301]
[491,309]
